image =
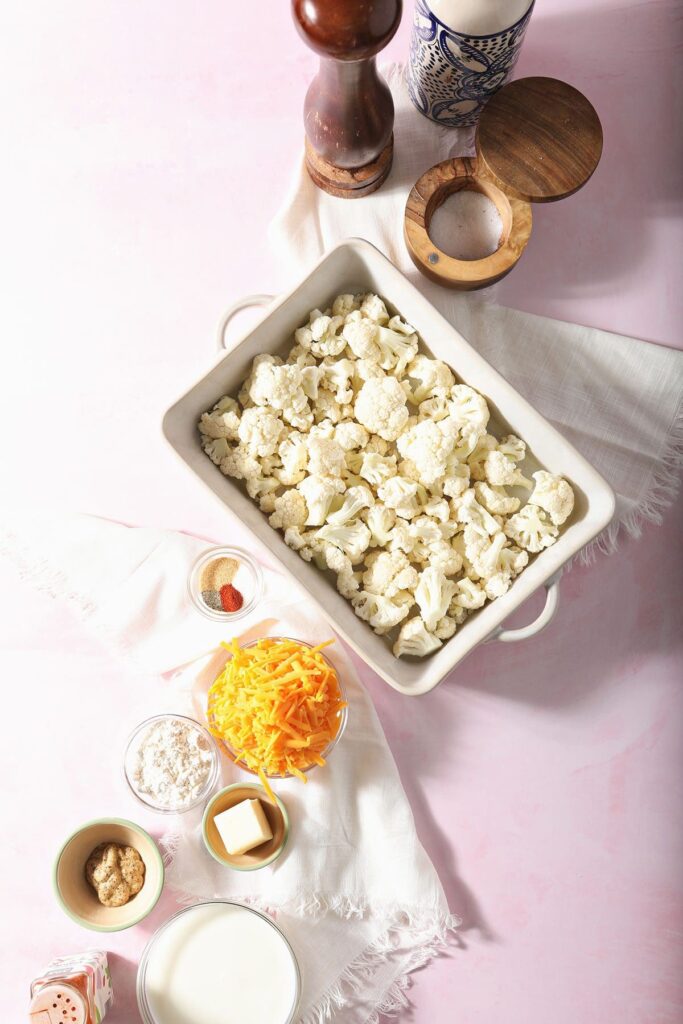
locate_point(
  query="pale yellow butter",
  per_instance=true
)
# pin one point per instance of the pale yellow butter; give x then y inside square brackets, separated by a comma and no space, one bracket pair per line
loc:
[243,827]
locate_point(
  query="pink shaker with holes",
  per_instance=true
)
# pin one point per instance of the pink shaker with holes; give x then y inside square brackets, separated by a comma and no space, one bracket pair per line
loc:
[72,990]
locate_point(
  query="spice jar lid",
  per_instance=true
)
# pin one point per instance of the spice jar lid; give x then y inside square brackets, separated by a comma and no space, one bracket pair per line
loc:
[539,139]
[58,1004]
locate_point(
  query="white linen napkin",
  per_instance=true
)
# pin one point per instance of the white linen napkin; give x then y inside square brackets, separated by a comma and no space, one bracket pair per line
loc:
[618,400]
[354,890]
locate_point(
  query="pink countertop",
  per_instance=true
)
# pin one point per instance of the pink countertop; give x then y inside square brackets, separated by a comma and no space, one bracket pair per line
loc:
[146,147]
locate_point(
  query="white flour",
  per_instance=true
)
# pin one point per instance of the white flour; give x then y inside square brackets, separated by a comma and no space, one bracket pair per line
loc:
[171,764]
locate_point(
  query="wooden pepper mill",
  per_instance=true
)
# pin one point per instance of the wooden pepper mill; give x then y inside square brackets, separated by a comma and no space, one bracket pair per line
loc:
[348,111]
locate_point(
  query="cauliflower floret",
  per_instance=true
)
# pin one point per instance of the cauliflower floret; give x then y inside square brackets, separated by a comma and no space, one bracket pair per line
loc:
[326,407]
[290,510]
[240,463]
[380,521]
[495,499]
[397,324]
[350,435]
[377,444]
[433,595]
[483,550]
[337,375]
[260,431]
[425,532]
[426,376]
[467,509]
[325,428]
[532,529]
[377,469]
[318,493]
[374,309]
[325,457]
[438,508]
[310,380]
[554,495]
[401,539]
[456,479]
[381,407]
[414,640]
[435,408]
[381,612]
[354,462]
[477,455]
[497,585]
[361,337]
[222,421]
[396,350]
[302,357]
[355,500]
[216,449]
[353,538]
[513,447]
[293,452]
[512,560]
[467,594]
[280,388]
[468,410]
[501,471]
[388,573]
[303,336]
[366,369]
[335,559]
[401,495]
[348,584]
[428,446]
[327,337]
[445,628]
[263,488]
[430,547]
[345,304]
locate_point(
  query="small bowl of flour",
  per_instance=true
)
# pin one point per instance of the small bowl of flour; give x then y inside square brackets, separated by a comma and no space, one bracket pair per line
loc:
[171,763]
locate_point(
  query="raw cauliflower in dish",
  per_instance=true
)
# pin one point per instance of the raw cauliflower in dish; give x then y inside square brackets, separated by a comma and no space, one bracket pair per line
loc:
[377,465]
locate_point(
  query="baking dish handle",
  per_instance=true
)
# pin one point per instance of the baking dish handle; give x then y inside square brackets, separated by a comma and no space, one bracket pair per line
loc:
[245,303]
[552,600]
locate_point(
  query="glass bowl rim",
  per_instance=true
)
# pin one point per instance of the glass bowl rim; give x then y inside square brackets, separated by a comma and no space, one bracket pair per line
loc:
[212,778]
[141,975]
[225,551]
[343,717]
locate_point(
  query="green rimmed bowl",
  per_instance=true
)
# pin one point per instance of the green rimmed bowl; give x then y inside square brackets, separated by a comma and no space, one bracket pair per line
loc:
[260,856]
[73,891]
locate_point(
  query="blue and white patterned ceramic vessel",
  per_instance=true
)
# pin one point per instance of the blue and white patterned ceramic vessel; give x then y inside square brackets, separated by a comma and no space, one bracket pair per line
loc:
[450,75]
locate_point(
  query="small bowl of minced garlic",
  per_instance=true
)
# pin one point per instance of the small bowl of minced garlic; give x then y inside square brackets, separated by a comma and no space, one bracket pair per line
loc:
[108,875]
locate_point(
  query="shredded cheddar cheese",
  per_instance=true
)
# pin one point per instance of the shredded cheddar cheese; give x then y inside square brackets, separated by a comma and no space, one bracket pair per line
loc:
[277,705]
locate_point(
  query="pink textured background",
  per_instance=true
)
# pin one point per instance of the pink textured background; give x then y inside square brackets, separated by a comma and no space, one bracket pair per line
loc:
[145,148]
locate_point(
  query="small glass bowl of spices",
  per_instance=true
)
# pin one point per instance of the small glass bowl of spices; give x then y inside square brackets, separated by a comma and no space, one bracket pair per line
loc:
[225,583]
[171,763]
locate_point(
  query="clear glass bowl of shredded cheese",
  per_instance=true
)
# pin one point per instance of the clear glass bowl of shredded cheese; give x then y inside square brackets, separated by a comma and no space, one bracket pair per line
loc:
[171,763]
[340,717]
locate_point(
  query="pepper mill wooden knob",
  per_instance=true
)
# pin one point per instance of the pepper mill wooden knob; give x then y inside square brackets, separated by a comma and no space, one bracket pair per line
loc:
[348,111]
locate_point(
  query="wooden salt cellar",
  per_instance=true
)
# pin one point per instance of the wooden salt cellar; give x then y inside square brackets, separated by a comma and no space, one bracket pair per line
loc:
[538,140]
[348,111]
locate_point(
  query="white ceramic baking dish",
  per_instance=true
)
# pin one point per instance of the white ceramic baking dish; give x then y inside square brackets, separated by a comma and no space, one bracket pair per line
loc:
[354,266]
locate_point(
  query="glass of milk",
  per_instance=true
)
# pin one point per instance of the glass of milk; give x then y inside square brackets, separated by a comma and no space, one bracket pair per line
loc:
[462,51]
[218,962]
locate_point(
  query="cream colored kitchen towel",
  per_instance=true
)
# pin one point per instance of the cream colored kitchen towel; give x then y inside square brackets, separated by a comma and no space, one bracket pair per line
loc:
[354,891]
[618,400]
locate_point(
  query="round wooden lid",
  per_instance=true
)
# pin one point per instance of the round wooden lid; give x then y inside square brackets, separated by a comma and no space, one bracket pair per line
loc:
[539,139]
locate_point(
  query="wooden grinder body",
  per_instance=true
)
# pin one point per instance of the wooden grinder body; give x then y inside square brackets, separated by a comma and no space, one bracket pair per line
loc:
[348,111]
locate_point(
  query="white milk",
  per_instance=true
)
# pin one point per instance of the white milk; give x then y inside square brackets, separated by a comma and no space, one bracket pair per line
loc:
[220,964]
[479,17]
